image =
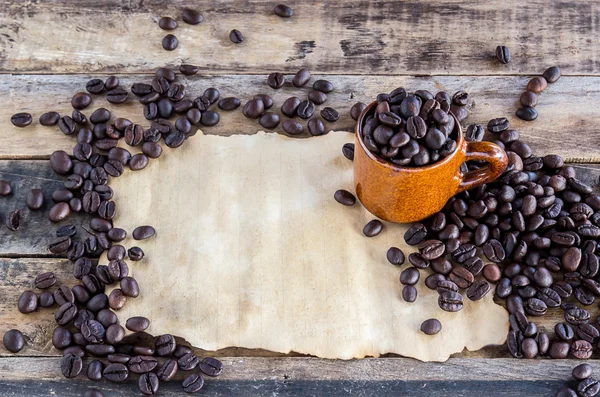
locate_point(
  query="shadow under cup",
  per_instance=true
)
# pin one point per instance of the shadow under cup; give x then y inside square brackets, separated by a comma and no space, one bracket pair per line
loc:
[409,194]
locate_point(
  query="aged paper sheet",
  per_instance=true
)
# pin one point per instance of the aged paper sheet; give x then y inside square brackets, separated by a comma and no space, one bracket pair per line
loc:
[252,251]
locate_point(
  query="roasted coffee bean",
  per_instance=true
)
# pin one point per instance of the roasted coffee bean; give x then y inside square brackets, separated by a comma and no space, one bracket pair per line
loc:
[317,97]
[114,333]
[21,119]
[137,324]
[513,343]
[269,120]
[97,303]
[117,96]
[432,249]
[253,109]
[14,341]
[167,370]
[527,114]
[210,118]
[329,114]
[461,277]
[61,162]
[164,345]
[71,366]
[58,212]
[528,99]
[170,42]
[559,350]
[344,197]
[348,151]
[498,125]
[63,295]
[14,220]
[142,364]
[537,84]
[138,162]
[118,269]
[167,23]
[293,127]
[193,383]
[60,245]
[552,74]
[415,234]
[478,290]
[409,293]
[395,256]
[581,349]
[464,252]
[503,54]
[373,228]
[588,387]
[305,109]
[582,371]
[143,232]
[409,276]
[191,17]
[49,119]
[283,11]
[148,384]
[357,109]
[187,362]
[450,301]
[577,316]
[301,77]
[236,36]
[115,372]
[418,261]
[491,273]
[111,83]
[5,188]
[316,127]
[431,326]
[211,366]
[175,139]
[65,313]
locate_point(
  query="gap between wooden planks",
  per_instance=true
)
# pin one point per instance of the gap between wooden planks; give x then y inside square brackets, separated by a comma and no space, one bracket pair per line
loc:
[566,125]
[440,37]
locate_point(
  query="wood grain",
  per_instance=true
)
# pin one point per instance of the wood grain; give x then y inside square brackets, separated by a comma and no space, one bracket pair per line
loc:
[340,37]
[36,231]
[317,377]
[566,125]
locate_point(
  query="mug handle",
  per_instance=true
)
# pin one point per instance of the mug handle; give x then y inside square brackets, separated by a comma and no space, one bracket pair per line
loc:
[486,151]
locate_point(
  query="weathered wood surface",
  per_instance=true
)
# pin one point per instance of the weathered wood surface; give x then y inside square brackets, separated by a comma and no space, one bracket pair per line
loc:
[345,37]
[36,231]
[316,377]
[567,124]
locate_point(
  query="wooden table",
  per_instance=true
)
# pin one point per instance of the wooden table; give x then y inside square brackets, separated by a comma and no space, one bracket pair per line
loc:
[49,49]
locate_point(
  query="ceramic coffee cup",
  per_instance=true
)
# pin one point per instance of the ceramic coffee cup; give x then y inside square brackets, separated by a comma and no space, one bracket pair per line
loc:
[409,194]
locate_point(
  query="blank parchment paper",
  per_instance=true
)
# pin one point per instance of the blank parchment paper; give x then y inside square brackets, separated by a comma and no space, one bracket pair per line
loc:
[252,250]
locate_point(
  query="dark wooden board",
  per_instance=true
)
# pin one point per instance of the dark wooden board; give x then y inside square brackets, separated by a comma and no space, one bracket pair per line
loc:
[317,377]
[441,37]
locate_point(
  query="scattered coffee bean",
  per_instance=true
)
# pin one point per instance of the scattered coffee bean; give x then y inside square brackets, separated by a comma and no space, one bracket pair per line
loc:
[21,119]
[236,36]
[373,228]
[431,326]
[49,119]
[344,197]
[301,78]
[191,17]
[170,42]
[283,11]
[167,23]
[552,74]
[503,54]
[13,340]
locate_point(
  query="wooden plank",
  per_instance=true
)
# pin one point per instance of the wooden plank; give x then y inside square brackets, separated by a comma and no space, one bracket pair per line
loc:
[36,231]
[343,37]
[33,238]
[566,126]
[317,377]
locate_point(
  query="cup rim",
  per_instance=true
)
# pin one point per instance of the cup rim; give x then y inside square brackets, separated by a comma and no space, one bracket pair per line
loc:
[395,167]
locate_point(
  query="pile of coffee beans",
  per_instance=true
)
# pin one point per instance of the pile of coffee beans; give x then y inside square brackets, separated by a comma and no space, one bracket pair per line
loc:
[537,85]
[86,322]
[413,129]
[583,385]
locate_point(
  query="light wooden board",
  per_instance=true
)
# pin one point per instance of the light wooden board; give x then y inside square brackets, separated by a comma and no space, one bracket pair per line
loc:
[316,377]
[346,37]
[567,124]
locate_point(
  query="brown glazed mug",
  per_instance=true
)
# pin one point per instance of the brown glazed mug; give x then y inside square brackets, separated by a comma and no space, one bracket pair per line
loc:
[409,194]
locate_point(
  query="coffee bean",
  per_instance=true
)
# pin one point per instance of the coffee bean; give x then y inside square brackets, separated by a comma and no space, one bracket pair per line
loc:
[357,109]
[142,364]
[305,109]
[117,96]
[21,119]
[115,372]
[415,234]
[395,256]
[317,97]
[528,99]
[253,109]
[175,139]
[316,127]
[582,371]
[236,36]
[498,125]
[588,387]
[14,220]
[63,295]
[527,114]
[293,127]
[537,84]
[409,276]
[71,366]
[148,384]
[49,119]
[552,74]
[59,212]
[193,383]
[167,370]
[61,162]
[431,326]
[409,293]
[13,340]
[95,86]
[478,290]
[164,345]
[170,42]
[301,78]
[210,118]
[494,251]
[344,197]
[581,349]
[450,301]
[191,17]
[167,23]
[461,277]
[577,316]
[283,11]
[269,120]
[329,114]
[373,228]
[503,54]
[432,249]
[211,366]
